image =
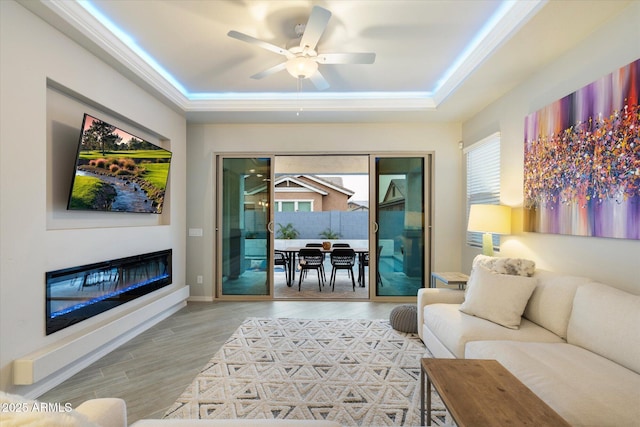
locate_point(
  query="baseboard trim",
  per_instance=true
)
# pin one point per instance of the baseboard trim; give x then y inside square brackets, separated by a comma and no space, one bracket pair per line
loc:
[42,370]
[201,299]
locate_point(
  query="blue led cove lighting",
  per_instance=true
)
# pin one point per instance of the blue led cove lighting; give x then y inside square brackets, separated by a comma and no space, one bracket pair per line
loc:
[130,42]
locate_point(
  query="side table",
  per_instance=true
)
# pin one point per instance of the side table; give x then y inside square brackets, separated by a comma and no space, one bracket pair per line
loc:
[449,278]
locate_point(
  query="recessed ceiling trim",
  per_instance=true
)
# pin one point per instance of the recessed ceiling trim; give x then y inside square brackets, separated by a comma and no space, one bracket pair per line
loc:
[120,46]
[292,104]
[511,16]
[97,28]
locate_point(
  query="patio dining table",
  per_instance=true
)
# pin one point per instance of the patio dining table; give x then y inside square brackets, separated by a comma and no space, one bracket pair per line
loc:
[293,250]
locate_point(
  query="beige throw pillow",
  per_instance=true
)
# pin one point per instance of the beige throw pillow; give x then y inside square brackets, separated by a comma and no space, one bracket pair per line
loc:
[500,298]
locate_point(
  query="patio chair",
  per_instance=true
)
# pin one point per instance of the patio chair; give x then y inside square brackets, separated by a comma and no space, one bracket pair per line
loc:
[379,277]
[365,263]
[319,245]
[342,259]
[310,259]
[280,258]
[341,245]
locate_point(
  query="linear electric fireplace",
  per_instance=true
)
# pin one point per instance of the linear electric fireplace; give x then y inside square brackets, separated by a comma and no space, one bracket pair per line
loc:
[77,293]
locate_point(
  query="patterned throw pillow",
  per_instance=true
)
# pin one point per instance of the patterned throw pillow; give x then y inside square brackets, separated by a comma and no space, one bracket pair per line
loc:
[510,266]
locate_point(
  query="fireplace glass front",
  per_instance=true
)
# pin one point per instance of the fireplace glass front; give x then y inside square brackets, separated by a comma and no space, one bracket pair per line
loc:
[77,293]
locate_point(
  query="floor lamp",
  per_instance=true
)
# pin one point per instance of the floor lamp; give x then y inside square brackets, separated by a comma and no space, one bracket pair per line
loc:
[489,219]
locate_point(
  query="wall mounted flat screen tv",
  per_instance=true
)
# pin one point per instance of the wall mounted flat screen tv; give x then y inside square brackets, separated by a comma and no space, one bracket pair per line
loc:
[117,171]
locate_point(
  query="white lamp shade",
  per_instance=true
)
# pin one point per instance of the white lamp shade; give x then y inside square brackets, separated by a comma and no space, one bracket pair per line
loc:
[490,219]
[301,67]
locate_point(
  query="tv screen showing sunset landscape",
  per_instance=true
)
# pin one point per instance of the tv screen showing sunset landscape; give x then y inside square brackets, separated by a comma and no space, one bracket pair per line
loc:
[117,171]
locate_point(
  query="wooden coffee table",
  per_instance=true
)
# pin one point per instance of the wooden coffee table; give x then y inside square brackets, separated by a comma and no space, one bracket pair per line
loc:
[482,393]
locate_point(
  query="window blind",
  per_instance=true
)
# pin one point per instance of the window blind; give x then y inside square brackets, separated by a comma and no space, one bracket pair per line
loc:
[483,180]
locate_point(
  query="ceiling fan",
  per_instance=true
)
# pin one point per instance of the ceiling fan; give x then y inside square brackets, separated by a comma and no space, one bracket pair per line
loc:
[303,59]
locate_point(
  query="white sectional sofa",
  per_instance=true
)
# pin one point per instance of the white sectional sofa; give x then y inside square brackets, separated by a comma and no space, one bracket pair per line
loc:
[576,344]
[112,412]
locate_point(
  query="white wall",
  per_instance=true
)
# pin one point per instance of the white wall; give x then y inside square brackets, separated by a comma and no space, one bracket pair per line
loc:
[204,141]
[40,126]
[611,261]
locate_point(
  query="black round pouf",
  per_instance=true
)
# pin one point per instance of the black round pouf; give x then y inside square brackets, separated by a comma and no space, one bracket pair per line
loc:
[404,318]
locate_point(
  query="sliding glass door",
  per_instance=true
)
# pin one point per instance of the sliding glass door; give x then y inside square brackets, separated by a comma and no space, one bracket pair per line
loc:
[401,210]
[398,236]
[243,238]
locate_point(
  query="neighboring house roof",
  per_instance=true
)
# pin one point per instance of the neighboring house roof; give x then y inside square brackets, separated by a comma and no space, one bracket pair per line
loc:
[401,188]
[333,182]
[302,181]
[298,185]
[358,204]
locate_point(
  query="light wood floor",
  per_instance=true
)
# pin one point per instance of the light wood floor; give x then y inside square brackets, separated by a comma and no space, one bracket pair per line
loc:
[153,369]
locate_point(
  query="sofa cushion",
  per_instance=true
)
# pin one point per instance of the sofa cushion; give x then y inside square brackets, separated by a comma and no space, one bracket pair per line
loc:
[606,321]
[583,388]
[105,411]
[500,298]
[19,411]
[551,301]
[454,328]
[234,423]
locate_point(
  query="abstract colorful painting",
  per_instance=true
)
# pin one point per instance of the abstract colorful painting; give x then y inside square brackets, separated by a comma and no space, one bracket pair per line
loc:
[582,160]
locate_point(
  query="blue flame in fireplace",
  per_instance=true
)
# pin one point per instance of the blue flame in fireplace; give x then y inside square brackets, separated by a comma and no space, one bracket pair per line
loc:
[107,296]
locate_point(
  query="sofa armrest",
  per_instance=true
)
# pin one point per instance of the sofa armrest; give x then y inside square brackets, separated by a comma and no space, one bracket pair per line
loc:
[106,412]
[428,296]
[240,422]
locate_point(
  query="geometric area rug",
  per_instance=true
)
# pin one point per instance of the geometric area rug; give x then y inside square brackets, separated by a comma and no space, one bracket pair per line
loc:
[353,372]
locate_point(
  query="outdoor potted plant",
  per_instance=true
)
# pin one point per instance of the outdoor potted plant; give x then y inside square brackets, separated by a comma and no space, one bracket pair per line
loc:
[287,232]
[328,234]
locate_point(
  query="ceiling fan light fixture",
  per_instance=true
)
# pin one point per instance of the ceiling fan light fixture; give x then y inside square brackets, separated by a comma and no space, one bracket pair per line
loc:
[301,67]
[302,56]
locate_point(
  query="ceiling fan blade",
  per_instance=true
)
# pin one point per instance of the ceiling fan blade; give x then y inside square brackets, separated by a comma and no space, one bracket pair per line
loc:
[346,58]
[316,25]
[252,40]
[319,81]
[269,71]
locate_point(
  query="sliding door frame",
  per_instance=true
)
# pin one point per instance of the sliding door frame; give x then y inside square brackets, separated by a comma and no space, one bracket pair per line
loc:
[428,197]
[428,189]
[219,235]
